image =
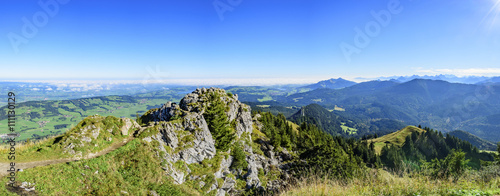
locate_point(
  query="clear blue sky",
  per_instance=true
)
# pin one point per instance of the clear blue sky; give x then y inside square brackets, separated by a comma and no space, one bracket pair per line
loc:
[185,39]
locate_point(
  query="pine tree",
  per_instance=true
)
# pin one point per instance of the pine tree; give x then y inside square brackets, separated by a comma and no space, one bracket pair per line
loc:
[218,123]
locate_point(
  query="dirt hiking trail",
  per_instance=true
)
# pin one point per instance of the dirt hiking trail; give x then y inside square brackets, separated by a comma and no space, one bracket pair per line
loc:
[4,166]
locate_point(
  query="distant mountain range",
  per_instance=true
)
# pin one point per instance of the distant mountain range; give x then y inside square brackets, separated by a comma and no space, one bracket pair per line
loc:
[447,77]
[434,103]
[331,84]
[492,80]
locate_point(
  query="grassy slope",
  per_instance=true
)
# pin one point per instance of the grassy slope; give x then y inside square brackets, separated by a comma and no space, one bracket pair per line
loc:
[396,138]
[380,182]
[32,115]
[132,168]
[52,148]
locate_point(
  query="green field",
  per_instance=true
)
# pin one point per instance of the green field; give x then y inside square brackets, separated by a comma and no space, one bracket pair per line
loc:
[348,130]
[38,119]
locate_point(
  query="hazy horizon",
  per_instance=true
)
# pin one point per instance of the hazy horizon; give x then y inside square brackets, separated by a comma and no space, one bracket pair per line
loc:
[219,81]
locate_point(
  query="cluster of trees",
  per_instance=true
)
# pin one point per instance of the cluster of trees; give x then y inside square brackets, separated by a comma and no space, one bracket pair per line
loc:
[367,153]
[429,145]
[278,130]
[319,151]
[323,152]
[429,151]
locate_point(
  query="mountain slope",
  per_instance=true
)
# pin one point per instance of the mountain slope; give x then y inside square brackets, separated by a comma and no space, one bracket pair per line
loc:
[474,140]
[485,127]
[324,119]
[338,123]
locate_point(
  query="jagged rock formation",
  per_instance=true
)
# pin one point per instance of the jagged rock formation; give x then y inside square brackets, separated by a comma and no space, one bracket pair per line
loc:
[181,136]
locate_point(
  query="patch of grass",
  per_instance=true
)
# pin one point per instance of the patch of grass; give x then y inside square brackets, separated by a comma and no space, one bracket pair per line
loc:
[380,182]
[132,168]
[397,138]
[348,130]
[265,98]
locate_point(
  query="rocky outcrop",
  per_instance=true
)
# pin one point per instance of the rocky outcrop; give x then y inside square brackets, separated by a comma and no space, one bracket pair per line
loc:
[197,101]
[90,133]
[182,139]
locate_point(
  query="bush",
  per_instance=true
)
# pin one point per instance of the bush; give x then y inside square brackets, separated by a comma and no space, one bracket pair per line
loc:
[454,165]
[239,161]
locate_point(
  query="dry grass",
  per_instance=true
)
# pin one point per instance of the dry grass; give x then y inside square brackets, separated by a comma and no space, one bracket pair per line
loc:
[380,182]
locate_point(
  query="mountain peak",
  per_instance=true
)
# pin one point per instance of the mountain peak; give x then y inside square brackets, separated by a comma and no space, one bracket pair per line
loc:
[331,84]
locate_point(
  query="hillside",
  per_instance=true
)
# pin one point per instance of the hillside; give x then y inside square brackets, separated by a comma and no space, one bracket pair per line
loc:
[485,127]
[89,136]
[397,138]
[474,140]
[413,144]
[340,123]
[324,119]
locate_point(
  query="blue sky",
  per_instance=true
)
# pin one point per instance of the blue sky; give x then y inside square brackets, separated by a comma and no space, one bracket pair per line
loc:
[264,39]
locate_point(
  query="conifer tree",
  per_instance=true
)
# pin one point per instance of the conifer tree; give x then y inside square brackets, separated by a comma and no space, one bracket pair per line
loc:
[218,123]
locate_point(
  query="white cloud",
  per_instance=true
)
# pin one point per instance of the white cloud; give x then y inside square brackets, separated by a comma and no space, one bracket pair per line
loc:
[235,81]
[463,72]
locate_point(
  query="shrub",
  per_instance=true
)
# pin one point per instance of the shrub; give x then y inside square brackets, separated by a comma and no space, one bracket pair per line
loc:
[239,161]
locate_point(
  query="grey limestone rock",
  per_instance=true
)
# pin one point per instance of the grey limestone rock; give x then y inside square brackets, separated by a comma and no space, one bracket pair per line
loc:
[184,136]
